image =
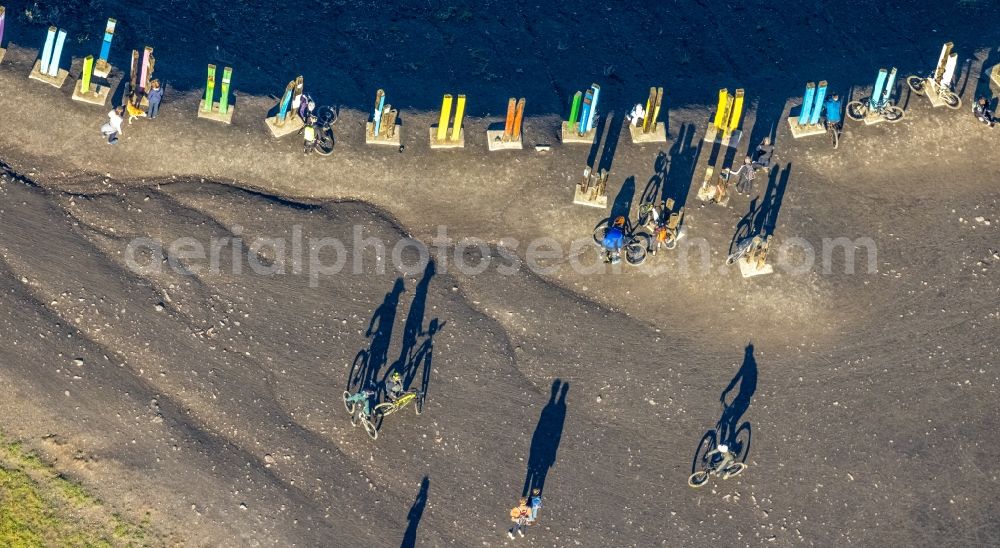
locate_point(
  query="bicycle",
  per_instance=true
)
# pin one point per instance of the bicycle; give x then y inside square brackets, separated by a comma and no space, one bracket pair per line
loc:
[742,247]
[416,397]
[323,122]
[920,84]
[859,110]
[356,411]
[739,445]
[701,477]
[664,224]
[635,249]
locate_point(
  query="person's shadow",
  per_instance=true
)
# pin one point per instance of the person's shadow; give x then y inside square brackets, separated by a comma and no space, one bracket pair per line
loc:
[414,515]
[423,359]
[545,441]
[728,430]
[367,363]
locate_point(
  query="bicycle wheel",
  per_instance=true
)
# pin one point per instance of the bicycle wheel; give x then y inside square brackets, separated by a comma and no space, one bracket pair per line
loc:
[673,238]
[698,479]
[385,409]
[349,405]
[370,429]
[645,210]
[635,253]
[600,231]
[733,470]
[892,114]
[705,446]
[741,442]
[916,84]
[325,142]
[326,115]
[951,99]
[856,110]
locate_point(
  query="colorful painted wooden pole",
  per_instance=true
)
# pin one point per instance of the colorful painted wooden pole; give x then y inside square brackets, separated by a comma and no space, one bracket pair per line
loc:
[227,76]
[518,120]
[206,104]
[147,55]
[50,40]
[942,63]
[818,104]
[379,111]
[3,18]
[949,70]
[890,85]
[508,126]
[442,130]
[574,109]
[807,102]
[588,99]
[722,109]
[134,72]
[286,100]
[734,116]
[879,86]
[656,110]
[109,33]
[593,106]
[456,128]
[88,70]
[57,53]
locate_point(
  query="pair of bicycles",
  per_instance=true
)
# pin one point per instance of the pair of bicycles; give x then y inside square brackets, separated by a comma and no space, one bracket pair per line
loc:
[372,422]
[322,122]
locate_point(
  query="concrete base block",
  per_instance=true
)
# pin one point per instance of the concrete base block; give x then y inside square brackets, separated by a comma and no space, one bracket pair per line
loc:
[712,135]
[217,116]
[572,134]
[96,95]
[290,126]
[994,74]
[658,135]
[749,270]
[807,130]
[459,143]
[371,139]
[590,198]
[54,81]
[102,69]
[2,53]
[872,118]
[494,139]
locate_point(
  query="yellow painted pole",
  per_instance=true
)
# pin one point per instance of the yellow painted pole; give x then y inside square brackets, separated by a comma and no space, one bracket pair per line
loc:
[88,69]
[442,131]
[456,130]
[720,111]
[734,117]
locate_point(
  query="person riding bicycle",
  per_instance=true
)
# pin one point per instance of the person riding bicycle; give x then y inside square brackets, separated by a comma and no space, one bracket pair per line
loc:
[982,111]
[394,386]
[364,395]
[726,455]
[614,241]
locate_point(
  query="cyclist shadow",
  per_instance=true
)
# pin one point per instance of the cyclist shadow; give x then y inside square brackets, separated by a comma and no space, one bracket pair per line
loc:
[416,356]
[728,430]
[683,164]
[545,440]
[622,205]
[654,188]
[416,512]
[368,362]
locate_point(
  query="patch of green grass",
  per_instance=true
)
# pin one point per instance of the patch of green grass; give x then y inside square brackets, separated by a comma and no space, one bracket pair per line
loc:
[41,507]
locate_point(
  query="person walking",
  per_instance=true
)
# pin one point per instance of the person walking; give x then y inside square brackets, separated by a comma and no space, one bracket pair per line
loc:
[744,176]
[536,504]
[155,96]
[834,118]
[113,127]
[519,515]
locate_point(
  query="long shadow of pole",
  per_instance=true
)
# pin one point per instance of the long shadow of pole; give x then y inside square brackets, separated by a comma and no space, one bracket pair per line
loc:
[545,441]
[413,516]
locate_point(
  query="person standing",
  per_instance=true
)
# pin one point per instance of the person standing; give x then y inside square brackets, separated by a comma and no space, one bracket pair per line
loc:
[155,96]
[744,176]
[762,156]
[536,504]
[982,111]
[834,118]
[519,515]
[113,127]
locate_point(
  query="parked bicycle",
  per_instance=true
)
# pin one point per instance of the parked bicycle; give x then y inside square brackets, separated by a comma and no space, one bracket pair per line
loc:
[859,110]
[415,397]
[922,86]
[742,247]
[355,405]
[323,122]
[636,243]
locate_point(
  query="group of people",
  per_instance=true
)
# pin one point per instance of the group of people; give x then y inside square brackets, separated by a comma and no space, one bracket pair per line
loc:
[525,513]
[133,108]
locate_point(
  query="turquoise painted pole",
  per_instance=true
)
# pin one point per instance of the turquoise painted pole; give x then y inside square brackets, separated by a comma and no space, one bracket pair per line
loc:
[57,53]
[588,99]
[109,33]
[807,102]
[890,85]
[877,90]
[50,39]
[377,117]
[593,106]
[818,105]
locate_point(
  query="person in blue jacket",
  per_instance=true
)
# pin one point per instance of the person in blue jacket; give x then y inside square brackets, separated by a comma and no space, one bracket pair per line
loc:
[834,118]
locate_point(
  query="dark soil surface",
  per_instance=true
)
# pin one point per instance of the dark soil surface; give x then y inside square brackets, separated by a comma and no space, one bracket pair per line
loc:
[212,400]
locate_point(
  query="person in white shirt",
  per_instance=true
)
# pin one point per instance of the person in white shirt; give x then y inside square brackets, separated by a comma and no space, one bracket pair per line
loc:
[638,113]
[113,127]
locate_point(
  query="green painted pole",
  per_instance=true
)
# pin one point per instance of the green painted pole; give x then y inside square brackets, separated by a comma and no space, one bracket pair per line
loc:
[206,105]
[227,76]
[88,69]
[574,109]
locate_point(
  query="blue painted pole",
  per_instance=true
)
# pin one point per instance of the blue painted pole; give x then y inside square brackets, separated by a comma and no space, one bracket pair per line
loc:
[593,106]
[818,105]
[890,85]
[57,53]
[877,90]
[588,98]
[807,102]
[377,118]
[285,101]
[50,39]
[109,33]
